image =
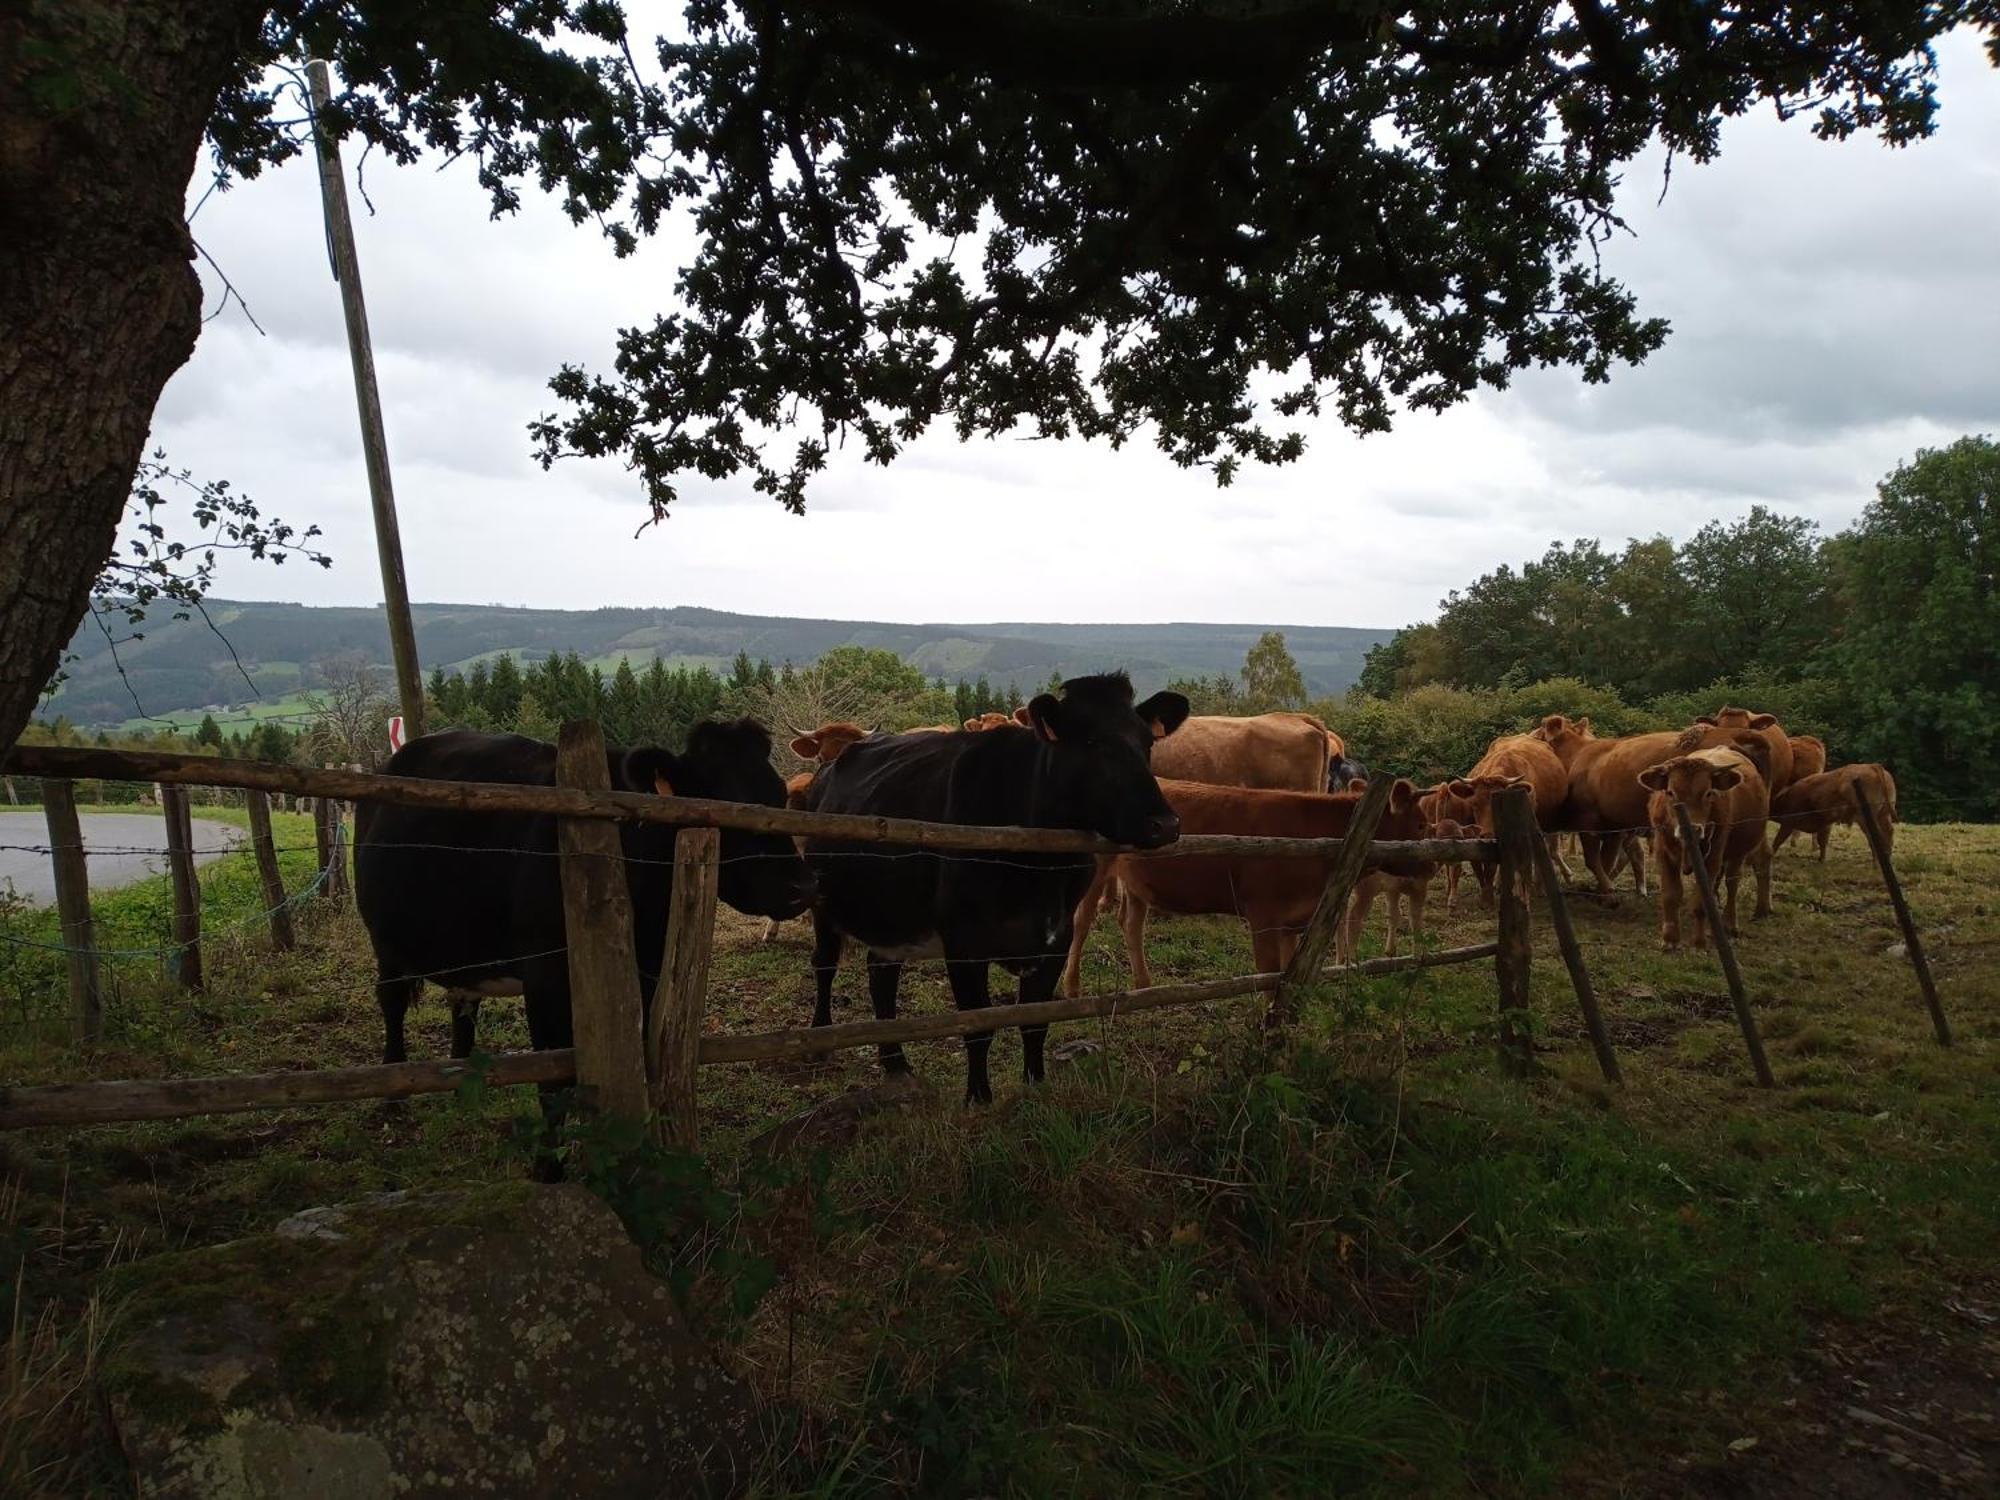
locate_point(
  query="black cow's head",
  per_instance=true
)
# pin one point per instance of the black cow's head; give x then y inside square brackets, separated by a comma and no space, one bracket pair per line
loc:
[1099,757]
[761,874]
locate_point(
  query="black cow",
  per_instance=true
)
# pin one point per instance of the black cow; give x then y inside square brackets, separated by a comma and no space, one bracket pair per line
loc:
[1084,764]
[473,901]
[1342,773]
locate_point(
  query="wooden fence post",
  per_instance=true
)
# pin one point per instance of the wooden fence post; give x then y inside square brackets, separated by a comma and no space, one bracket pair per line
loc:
[79,931]
[337,823]
[262,846]
[323,844]
[1515,831]
[674,1047]
[1310,955]
[597,919]
[1572,957]
[1912,943]
[187,886]
[1725,946]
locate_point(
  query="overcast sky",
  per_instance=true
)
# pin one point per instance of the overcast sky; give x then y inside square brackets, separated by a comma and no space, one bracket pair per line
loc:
[1835,308]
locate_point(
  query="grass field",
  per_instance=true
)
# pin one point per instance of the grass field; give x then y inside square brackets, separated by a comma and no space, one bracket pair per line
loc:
[1367,1263]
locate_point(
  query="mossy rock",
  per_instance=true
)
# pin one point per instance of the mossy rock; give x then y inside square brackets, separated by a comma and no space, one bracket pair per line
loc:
[506,1341]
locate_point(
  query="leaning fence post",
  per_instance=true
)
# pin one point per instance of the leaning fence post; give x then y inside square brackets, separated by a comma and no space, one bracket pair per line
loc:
[1572,957]
[597,920]
[1912,943]
[258,804]
[79,931]
[186,883]
[1515,831]
[1326,918]
[1725,945]
[674,1046]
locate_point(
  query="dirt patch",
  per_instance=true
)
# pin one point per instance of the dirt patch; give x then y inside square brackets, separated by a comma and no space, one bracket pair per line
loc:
[1883,1411]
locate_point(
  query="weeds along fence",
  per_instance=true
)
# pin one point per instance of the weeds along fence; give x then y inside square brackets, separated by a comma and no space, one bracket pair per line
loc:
[639,1062]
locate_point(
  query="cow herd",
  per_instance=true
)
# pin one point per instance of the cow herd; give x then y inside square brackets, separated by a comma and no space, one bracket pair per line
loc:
[472,901]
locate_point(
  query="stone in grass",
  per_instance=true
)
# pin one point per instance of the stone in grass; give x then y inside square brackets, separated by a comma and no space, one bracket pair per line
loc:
[500,1342]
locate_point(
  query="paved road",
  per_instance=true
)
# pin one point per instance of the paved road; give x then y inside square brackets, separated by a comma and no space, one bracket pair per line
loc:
[108,838]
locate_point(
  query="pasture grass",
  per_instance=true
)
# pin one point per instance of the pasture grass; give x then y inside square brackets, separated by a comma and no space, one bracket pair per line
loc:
[1365,1262]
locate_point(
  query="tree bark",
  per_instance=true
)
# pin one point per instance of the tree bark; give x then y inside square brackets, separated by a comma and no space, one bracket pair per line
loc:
[102,110]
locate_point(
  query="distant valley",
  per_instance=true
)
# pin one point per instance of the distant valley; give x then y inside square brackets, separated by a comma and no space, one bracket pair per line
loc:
[182,667]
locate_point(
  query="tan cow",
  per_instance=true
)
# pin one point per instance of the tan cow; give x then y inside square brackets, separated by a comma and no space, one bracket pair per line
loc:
[1605,805]
[1808,756]
[1282,751]
[821,747]
[1813,804]
[1729,803]
[990,720]
[1719,727]
[1274,895]
[1413,886]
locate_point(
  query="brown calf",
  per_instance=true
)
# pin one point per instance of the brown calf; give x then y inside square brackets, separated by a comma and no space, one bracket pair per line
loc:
[1727,800]
[1275,896]
[1414,888]
[1813,805]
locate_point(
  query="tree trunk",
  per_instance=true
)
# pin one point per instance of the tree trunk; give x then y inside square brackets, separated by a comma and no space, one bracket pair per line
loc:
[102,110]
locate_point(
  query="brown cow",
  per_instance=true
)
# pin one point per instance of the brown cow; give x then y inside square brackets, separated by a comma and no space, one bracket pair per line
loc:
[1605,806]
[1511,760]
[1727,798]
[1808,756]
[1276,751]
[990,720]
[1274,895]
[1813,804]
[821,747]
[1718,728]
[1414,887]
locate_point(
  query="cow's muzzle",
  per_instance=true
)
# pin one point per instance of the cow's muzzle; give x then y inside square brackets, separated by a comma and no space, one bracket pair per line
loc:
[1156,832]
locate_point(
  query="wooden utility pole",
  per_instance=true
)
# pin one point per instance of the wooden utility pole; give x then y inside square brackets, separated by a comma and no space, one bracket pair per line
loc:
[374,444]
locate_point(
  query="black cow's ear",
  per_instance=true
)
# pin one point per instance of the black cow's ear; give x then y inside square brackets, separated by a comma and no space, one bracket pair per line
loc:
[1166,712]
[1044,712]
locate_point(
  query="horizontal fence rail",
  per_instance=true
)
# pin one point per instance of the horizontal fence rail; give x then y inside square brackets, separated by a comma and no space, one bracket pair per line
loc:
[79,762]
[104,1101]
[815,1041]
[109,1101]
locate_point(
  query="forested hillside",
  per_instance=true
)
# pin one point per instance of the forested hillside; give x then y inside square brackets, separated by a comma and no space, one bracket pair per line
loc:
[179,665]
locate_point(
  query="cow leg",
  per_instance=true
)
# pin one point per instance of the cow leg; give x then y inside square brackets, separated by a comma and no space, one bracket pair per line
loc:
[1668,879]
[771,925]
[884,976]
[1484,873]
[1561,860]
[1132,919]
[1418,893]
[1778,839]
[1266,951]
[1081,921]
[1036,985]
[1634,846]
[464,1022]
[1823,834]
[1451,872]
[395,997]
[1760,860]
[827,946]
[1594,860]
[1357,918]
[549,1027]
[1732,879]
[970,978]
[1392,905]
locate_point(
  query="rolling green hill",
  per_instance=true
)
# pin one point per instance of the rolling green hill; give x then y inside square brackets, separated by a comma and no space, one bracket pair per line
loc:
[182,667]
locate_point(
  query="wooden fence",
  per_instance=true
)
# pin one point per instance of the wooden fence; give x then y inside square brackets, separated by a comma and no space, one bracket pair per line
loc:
[625,1064]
